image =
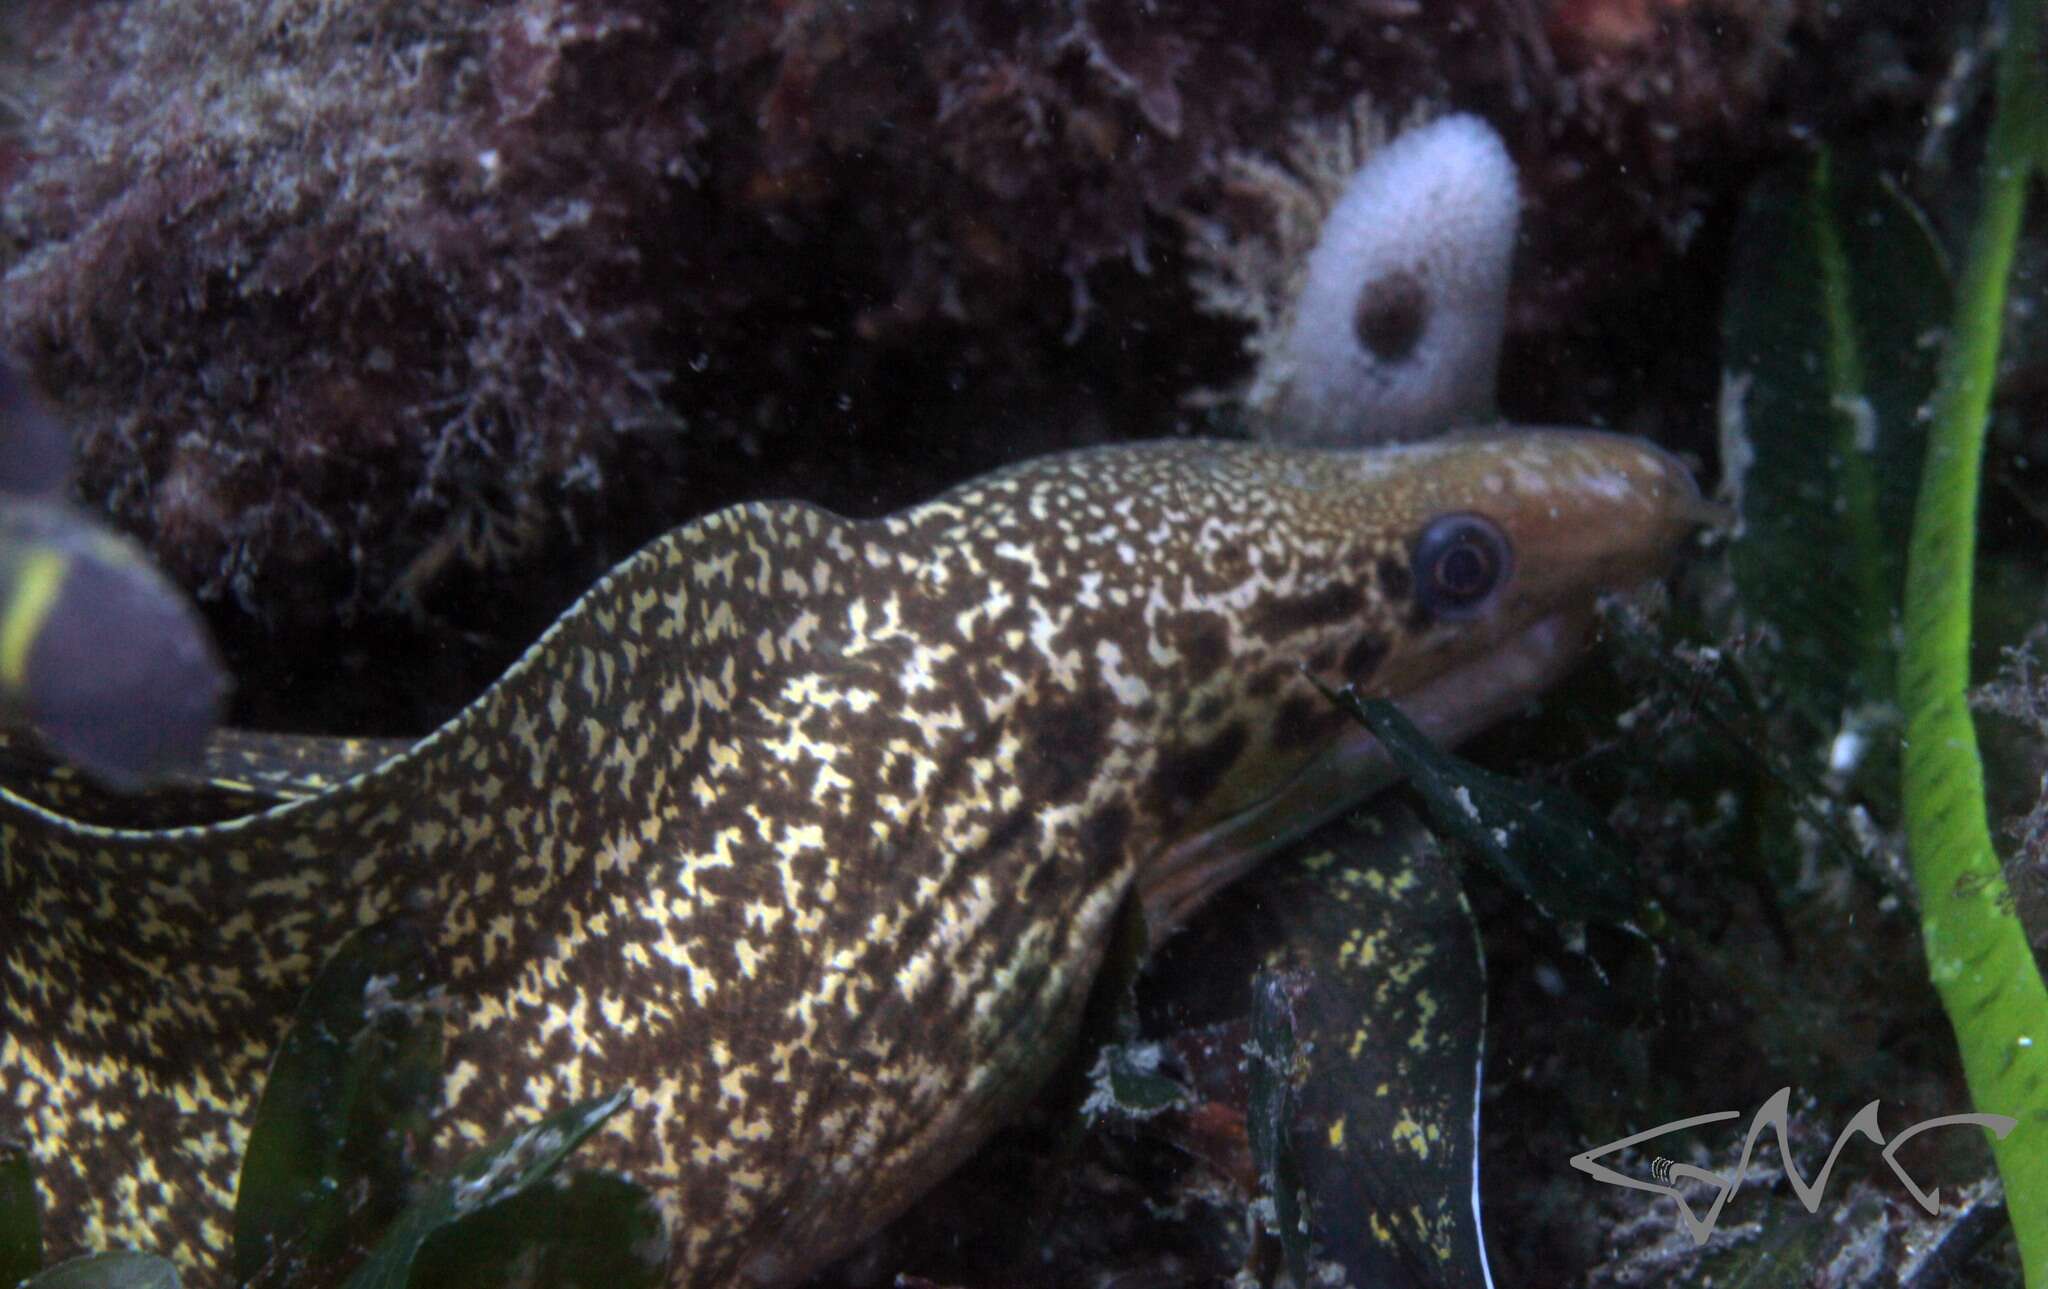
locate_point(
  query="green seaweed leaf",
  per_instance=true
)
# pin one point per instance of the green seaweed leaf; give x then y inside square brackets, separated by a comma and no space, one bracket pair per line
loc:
[1269,1117]
[1835,277]
[1547,844]
[584,1231]
[355,1078]
[491,1177]
[120,1270]
[21,1228]
[1389,1020]
[1125,1080]
[1977,951]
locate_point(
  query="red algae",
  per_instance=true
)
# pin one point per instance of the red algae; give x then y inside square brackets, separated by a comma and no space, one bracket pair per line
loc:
[344,298]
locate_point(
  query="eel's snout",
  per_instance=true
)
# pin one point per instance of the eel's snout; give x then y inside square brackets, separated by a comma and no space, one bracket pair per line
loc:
[1588,511]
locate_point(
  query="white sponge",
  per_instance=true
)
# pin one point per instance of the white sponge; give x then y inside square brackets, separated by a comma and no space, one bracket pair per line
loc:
[1396,333]
[1379,294]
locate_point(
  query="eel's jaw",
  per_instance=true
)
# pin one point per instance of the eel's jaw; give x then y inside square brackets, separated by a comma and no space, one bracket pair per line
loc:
[1449,708]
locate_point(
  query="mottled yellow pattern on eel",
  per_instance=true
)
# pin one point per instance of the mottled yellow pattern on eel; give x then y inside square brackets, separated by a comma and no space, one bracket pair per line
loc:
[808,831]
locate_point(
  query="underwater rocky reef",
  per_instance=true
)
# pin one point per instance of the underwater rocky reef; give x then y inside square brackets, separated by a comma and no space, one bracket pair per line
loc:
[389,327]
[343,300]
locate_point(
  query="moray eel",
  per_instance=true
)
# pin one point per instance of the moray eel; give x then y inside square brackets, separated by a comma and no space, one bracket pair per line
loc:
[809,831]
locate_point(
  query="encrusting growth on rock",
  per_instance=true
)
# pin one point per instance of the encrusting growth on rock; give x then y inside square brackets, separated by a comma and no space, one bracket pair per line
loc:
[1379,295]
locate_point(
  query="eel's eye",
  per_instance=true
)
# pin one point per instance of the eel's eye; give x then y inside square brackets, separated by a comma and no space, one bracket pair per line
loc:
[1459,562]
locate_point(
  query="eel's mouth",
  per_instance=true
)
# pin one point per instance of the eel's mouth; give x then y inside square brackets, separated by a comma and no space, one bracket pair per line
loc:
[1448,708]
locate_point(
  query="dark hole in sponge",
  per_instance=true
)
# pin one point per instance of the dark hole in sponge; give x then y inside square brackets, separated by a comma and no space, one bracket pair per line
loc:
[1392,311]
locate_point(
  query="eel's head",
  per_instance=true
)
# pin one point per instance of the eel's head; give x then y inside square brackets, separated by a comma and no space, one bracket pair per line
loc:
[1460,577]
[1479,539]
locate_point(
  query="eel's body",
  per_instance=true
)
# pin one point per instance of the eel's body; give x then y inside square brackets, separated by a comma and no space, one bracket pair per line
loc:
[806,830]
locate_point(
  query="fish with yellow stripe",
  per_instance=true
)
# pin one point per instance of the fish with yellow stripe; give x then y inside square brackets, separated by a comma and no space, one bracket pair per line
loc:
[98,650]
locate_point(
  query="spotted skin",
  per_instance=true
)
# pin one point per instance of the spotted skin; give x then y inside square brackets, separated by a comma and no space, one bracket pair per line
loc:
[807,831]
[242,772]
